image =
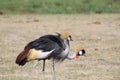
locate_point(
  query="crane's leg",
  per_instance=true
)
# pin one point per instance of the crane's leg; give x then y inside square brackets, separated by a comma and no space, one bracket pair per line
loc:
[43,65]
[53,70]
[43,69]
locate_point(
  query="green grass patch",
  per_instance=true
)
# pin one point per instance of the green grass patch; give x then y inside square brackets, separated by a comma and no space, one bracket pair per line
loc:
[59,6]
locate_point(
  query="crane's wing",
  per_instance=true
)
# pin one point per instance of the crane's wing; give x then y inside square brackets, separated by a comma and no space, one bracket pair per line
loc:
[55,39]
[44,44]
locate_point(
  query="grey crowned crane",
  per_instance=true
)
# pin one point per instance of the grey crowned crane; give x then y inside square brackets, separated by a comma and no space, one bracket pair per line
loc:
[55,47]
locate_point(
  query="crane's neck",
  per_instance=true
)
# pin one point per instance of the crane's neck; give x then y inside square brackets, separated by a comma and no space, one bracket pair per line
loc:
[66,42]
[70,57]
[67,48]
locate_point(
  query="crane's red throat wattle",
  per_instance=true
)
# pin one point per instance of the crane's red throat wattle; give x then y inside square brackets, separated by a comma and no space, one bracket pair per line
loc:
[77,56]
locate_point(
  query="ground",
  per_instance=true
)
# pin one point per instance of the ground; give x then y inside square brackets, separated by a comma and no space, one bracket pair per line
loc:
[99,34]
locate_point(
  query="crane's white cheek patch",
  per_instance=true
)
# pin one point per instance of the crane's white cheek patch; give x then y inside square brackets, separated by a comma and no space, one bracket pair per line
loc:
[69,38]
[80,53]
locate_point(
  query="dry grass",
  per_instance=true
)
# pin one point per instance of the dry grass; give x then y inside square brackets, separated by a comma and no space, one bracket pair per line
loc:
[99,34]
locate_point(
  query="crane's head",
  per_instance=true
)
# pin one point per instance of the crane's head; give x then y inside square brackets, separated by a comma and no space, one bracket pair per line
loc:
[65,36]
[80,52]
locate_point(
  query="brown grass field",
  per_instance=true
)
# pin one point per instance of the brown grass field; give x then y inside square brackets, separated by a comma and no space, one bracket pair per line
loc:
[99,34]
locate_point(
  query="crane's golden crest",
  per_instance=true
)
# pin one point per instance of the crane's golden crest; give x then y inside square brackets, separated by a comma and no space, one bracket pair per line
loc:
[65,35]
[79,48]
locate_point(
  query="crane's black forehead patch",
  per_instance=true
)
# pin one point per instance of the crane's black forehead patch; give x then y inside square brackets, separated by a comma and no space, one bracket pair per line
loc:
[70,36]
